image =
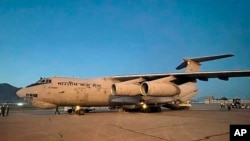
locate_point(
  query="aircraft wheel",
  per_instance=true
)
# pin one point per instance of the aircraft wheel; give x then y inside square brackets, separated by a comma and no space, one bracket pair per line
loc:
[70,111]
[141,110]
[158,109]
[145,110]
[148,110]
[87,110]
[80,112]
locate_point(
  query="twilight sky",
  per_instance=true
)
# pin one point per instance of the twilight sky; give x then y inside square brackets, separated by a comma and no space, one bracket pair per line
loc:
[94,38]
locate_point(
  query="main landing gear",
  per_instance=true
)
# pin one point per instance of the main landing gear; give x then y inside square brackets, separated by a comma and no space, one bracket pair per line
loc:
[150,109]
[76,110]
[79,110]
[143,107]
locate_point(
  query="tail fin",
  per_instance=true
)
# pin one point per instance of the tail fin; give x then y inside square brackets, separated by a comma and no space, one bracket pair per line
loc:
[193,64]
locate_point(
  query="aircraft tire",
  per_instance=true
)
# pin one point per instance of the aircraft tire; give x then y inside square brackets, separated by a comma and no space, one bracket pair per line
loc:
[87,110]
[145,110]
[70,111]
[80,112]
[158,109]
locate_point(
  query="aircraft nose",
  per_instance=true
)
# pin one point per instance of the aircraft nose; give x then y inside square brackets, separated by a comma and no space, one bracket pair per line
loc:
[21,93]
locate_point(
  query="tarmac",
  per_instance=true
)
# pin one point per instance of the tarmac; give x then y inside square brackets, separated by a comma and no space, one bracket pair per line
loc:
[203,122]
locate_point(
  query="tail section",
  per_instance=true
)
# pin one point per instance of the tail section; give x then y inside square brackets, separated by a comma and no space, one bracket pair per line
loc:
[189,89]
[193,64]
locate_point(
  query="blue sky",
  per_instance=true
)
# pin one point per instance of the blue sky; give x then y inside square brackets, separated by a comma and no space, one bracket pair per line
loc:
[102,38]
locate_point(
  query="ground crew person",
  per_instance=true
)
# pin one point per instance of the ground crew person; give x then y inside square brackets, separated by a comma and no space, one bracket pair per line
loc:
[57,111]
[221,105]
[7,110]
[2,111]
[228,107]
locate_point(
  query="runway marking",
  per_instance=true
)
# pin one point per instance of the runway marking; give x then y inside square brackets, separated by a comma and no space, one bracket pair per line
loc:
[138,132]
[208,137]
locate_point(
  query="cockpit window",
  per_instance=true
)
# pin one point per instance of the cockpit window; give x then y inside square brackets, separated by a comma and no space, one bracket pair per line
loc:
[43,81]
[40,82]
[48,81]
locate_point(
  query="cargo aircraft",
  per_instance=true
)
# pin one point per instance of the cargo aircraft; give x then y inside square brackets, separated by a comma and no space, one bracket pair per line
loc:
[145,92]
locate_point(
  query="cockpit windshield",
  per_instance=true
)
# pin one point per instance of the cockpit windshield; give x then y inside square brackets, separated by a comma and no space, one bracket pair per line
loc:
[40,82]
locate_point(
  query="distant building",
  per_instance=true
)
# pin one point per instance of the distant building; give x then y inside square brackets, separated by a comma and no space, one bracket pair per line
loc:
[212,100]
[209,99]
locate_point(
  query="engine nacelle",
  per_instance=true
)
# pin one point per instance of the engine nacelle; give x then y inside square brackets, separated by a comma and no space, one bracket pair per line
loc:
[125,89]
[159,89]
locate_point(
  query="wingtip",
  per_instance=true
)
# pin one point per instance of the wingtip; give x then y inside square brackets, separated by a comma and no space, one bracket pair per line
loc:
[229,54]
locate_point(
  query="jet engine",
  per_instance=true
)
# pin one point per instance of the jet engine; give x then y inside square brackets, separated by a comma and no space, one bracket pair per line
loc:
[125,89]
[159,89]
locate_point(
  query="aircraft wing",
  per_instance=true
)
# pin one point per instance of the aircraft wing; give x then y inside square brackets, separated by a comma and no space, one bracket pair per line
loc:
[223,75]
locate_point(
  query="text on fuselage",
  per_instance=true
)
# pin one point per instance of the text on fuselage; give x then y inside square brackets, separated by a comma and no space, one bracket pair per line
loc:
[88,85]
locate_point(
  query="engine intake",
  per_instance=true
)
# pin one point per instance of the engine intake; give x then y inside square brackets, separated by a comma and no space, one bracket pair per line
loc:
[125,89]
[159,89]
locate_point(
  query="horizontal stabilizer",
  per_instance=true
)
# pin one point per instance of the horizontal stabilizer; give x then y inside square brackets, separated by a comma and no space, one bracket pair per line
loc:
[201,59]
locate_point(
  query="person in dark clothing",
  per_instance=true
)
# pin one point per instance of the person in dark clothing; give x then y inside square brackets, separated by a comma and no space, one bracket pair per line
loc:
[7,110]
[229,107]
[2,111]
[57,111]
[221,105]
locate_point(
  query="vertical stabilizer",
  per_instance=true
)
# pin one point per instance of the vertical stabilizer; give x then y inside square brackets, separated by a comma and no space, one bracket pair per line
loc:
[193,64]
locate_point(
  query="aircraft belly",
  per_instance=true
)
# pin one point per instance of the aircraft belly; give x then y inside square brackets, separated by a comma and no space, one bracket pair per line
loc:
[120,100]
[160,100]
